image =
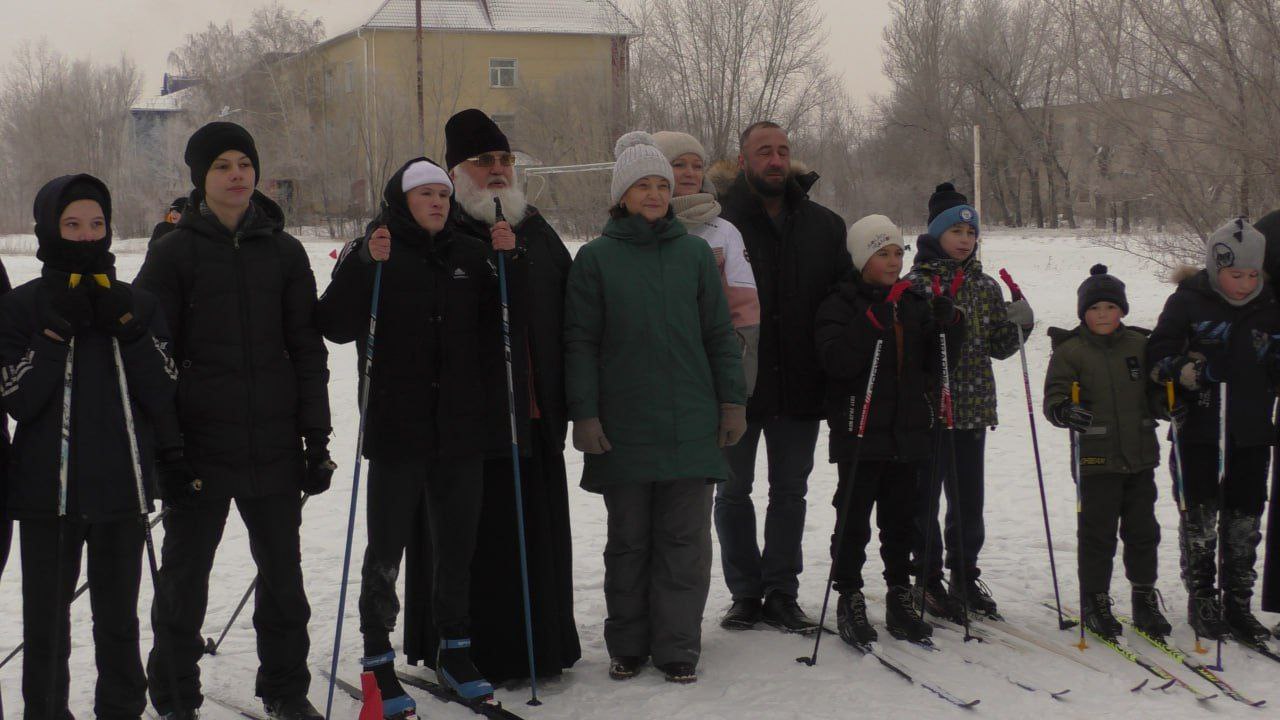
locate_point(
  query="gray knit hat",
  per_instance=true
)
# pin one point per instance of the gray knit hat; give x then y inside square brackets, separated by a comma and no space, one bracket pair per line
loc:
[1238,244]
[637,157]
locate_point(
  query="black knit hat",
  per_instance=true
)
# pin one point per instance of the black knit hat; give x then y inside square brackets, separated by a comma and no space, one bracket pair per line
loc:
[945,197]
[210,141]
[471,133]
[179,204]
[1101,287]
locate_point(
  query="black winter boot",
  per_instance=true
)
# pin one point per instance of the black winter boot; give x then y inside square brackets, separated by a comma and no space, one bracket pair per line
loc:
[939,601]
[974,594]
[1240,553]
[784,613]
[1204,615]
[1097,615]
[625,667]
[851,619]
[900,616]
[192,714]
[1146,612]
[742,615]
[297,707]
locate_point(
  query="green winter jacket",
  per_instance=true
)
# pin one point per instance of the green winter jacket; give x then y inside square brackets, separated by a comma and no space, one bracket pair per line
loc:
[650,350]
[988,334]
[1114,386]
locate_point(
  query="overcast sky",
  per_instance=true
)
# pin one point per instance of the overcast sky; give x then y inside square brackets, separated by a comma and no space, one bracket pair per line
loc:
[147,30]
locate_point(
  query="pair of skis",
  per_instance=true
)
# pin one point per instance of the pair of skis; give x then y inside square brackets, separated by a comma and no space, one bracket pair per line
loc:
[486,708]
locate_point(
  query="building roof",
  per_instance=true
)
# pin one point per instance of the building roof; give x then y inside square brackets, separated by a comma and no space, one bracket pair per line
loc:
[571,17]
[173,102]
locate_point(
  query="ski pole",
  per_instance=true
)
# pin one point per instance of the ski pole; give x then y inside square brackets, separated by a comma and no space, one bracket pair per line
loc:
[1077,470]
[140,487]
[515,463]
[1222,490]
[211,647]
[845,509]
[84,587]
[948,417]
[355,482]
[1177,450]
[1016,293]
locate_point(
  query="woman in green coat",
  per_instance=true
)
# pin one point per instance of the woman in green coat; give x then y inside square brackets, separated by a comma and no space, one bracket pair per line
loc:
[655,389]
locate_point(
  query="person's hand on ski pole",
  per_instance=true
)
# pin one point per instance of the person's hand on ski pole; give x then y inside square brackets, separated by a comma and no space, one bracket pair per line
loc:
[588,437]
[68,312]
[176,479]
[1019,311]
[1072,416]
[503,237]
[380,244]
[733,424]
[318,473]
[113,312]
[881,315]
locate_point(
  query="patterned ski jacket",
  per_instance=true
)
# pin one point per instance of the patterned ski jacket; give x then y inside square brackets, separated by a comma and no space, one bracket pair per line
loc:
[988,334]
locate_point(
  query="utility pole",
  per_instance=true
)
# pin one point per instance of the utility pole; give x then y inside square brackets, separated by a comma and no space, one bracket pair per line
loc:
[422,119]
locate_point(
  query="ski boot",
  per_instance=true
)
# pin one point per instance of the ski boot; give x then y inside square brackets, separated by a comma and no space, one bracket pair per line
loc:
[784,613]
[297,707]
[939,602]
[192,714]
[1204,615]
[683,673]
[1146,612]
[456,671]
[901,619]
[851,619]
[396,703]
[1097,616]
[974,594]
[625,667]
[1241,535]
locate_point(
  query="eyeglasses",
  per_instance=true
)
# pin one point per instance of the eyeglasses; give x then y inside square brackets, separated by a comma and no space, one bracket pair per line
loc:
[489,160]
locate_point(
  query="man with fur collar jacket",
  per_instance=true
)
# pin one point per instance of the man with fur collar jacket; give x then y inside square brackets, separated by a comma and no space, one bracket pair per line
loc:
[797,252]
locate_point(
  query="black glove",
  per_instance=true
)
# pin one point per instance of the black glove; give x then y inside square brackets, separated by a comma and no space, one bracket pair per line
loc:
[944,310]
[318,473]
[69,310]
[176,479]
[113,313]
[1067,414]
[880,316]
[1178,414]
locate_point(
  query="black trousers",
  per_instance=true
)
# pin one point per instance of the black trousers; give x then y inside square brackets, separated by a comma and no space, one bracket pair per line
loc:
[891,488]
[452,491]
[6,538]
[1123,502]
[115,571]
[968,472]
[1245,489]
[280,610]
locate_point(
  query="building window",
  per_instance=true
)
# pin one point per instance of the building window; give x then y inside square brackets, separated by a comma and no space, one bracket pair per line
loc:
[506,122]
[502,72]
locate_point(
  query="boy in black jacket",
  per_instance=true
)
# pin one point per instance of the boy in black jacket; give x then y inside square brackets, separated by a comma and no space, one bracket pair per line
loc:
[1222,325]
[435,410]
[83,494]
[863,310]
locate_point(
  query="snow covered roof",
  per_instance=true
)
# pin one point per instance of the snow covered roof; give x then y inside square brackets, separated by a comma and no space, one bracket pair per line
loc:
[572,17]
[173,102]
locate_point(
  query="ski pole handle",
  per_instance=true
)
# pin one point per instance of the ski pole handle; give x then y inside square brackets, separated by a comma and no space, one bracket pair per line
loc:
[956,282]
[497,211]
[1075,393]
[1014,291]
[895,293]
[1168,389]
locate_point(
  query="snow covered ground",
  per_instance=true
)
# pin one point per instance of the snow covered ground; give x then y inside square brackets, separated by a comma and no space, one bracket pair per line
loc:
[754,675]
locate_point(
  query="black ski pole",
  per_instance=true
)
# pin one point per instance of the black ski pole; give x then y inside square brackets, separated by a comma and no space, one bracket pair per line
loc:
[355,482]
[844,511]
[211,647]
[1077,471]
[1223,441]
[1016,293]
[948,417]
[140,488]
[515,463]
[84,587]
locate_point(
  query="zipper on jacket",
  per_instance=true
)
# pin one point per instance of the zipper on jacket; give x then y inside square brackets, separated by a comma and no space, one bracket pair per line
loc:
[241,295]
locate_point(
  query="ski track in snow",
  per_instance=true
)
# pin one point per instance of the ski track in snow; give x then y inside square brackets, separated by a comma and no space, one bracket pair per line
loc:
[753,674]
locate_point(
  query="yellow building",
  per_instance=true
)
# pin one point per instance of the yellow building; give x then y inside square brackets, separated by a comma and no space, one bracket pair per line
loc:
[360,88]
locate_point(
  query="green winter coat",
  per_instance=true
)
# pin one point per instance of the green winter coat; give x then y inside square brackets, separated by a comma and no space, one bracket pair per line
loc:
[1114,386]
[650,350]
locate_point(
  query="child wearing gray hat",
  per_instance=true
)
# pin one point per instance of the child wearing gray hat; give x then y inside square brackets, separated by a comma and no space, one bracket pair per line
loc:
[1218,338]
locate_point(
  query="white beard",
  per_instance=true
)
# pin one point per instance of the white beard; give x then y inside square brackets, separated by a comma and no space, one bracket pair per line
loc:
[477,201]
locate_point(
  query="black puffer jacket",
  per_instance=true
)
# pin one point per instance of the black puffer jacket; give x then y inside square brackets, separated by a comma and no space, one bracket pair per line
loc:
[1238,343]
[438,378]
[794,268]
[904,400]
[253,366]
[5,287]
[536,278]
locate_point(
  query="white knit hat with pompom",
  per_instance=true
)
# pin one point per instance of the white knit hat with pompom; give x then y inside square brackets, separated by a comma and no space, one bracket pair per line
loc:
[637,157]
